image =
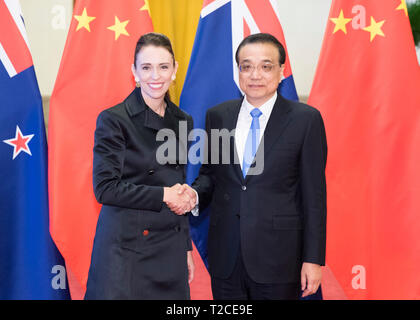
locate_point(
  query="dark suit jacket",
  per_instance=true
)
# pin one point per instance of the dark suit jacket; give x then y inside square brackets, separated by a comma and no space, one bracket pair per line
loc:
[140,245]
[277,218]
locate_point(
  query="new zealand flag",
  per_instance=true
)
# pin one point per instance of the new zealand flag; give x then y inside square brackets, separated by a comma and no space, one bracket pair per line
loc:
[30,264]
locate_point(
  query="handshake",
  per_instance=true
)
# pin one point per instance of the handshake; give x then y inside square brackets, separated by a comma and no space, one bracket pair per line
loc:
[180,198]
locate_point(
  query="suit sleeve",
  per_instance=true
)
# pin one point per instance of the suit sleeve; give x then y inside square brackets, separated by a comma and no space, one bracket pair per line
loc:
[204,183]
[313,189]
[108,161]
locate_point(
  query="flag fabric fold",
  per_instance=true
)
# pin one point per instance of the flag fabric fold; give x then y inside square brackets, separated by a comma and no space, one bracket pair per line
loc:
[30,265]
[367,89]
[94,74]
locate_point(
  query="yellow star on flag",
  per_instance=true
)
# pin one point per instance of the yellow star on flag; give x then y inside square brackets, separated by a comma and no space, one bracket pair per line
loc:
[375,28]
[146,7]
[403,6]
[119,28]
[340,22]
[84,20]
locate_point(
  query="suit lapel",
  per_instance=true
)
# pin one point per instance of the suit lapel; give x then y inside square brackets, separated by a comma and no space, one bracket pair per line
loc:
[278,121]
[232,113]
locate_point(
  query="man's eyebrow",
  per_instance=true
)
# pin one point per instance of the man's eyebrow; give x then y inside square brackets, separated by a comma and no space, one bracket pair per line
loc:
[265,60]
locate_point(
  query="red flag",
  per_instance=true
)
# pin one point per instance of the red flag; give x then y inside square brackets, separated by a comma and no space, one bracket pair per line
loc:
[95,73]
[367,88]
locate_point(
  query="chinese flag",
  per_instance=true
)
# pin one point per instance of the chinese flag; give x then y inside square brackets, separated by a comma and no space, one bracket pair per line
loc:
[95,73]
[367,87]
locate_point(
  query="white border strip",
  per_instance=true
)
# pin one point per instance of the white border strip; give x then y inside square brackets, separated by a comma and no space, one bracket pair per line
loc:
[240,12]
[7,63]
[213,7]
[16,12]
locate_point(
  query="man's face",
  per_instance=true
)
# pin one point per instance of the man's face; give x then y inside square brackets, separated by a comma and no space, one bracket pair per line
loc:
[259,72]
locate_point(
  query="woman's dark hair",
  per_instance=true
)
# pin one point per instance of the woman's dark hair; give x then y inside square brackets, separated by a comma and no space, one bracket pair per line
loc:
[263,38]
[153,39]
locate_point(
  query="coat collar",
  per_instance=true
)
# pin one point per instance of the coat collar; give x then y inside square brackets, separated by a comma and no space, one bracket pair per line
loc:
[137,107]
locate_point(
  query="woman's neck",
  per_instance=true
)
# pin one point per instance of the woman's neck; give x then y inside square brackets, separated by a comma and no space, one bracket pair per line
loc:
[157,105]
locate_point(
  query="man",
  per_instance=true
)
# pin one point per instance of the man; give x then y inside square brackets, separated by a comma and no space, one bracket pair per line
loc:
[268,217]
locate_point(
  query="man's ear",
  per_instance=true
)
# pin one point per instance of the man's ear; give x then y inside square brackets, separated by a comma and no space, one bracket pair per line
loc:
[282,67]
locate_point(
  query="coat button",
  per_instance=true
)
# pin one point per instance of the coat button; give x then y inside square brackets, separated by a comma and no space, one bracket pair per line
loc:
[177,167]
[177,228]
[145,232]
[151,171]
[243,188]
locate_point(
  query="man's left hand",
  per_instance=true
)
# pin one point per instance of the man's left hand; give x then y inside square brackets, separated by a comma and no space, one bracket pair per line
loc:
[310,278]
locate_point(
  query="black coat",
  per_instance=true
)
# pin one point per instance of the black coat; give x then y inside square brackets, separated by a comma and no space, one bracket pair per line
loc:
[140,247]
[278,217]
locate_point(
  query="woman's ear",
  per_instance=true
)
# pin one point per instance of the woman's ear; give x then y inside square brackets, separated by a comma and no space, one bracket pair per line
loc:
[133,71]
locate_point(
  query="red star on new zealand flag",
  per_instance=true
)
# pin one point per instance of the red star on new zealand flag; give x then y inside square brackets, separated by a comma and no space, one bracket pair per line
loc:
[19,143]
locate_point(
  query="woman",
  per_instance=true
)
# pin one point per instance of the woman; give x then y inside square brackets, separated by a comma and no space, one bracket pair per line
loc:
[142,250]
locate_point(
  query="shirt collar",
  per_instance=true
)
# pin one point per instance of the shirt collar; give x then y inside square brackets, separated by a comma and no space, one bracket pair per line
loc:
[266,108]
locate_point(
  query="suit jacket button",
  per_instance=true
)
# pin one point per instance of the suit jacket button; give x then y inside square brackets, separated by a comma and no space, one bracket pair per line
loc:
[177,167]
[145,232]
[243,188]
[177,228]
[151,171]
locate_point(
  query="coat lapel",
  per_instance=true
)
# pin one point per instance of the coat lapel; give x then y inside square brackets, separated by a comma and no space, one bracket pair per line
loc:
[143,117]
[140,113]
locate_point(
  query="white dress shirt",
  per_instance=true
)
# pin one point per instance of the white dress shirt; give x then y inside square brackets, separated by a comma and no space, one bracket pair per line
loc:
[243,124]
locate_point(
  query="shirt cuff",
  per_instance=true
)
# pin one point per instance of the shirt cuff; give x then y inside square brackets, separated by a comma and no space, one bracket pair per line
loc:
[195,212]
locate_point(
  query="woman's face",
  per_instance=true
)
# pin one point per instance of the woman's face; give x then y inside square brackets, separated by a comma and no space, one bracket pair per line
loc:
[155,71]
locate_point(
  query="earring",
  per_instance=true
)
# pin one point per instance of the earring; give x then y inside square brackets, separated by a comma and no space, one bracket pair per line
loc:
[137,84]
[173,77]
